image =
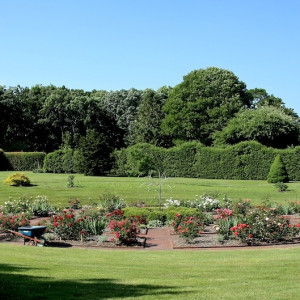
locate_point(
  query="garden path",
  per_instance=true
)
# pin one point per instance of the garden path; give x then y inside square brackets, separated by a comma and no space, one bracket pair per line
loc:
[159,239]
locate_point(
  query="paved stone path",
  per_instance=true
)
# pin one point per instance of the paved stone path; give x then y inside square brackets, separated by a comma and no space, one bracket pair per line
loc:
[159,239]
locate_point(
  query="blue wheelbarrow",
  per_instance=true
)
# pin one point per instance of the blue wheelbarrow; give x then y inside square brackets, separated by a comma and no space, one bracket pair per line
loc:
[32,234]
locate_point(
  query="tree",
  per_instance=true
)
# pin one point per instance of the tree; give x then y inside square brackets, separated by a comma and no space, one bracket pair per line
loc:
[203,103]
[122,106]
[147,128]
[278,171]
[96,151]
[260,97]
[268,125]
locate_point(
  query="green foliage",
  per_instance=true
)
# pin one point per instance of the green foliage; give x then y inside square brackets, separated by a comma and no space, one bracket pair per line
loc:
[281,187]
[25,161]
[53,162]
[268,125]
[70,181]
[96,151]
[146,129]
[246,160]
[111,202]
[202,104]
[41,207]
[278,171]
[17,179]
[63,161]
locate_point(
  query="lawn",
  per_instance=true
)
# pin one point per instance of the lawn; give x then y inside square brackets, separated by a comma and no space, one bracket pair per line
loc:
[52,273]
[87,189]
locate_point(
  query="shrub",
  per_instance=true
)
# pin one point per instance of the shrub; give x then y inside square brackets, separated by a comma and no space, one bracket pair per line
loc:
[281,187]
[53,162]
[246,160]
[188,227]
[40,207]
[125,230]
[278,171]
[66,225]
[70,181]
[25,161]
[17,179]
[262,225]
[17,206]
[12,222]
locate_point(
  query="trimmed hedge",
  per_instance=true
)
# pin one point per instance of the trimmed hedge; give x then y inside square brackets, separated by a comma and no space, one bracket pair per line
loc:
[246,160]
[23,161]
[63,161]
[166,214]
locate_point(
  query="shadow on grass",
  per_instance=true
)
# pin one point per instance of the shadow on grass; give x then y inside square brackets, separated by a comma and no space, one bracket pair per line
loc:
[15,284]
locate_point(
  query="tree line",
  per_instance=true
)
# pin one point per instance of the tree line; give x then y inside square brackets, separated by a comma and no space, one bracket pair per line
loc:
[210,105]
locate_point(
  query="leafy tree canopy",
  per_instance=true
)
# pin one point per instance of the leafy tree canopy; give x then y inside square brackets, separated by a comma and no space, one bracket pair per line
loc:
[203,103]
[268,125]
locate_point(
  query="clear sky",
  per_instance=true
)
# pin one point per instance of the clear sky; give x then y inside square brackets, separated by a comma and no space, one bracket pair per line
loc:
[119,44]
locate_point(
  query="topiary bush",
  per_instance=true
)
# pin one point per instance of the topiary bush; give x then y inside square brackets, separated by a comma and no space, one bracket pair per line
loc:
[17,179]
[278,171]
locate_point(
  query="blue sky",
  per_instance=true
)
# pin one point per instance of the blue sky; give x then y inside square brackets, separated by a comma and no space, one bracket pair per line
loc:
[119,44]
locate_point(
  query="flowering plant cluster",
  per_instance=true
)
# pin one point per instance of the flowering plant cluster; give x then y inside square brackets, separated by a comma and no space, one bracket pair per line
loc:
[224,213]
[12,222]
[204,202]
[17,206]
[187,226]
[67,226]
[125,230]
[208,203]
[116,215]
[172,202]
[265,226]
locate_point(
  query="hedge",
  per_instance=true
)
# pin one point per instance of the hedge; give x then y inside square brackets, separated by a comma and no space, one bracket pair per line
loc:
[63,161]
[163,215]
[246,160]
[23,161]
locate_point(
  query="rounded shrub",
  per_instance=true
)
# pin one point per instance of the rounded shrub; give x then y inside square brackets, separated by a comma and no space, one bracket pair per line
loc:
[278,171]
[17,179]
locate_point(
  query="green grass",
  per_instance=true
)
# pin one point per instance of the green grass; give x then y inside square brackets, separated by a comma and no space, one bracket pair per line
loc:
[53,273]
[87,189]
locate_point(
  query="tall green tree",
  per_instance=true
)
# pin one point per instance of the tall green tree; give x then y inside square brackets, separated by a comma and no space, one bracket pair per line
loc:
[203,103]
[268,125]
[123,106]
[147,128]
[96,150]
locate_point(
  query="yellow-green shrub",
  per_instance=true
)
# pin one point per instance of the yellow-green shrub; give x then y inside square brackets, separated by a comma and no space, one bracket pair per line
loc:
[17,179]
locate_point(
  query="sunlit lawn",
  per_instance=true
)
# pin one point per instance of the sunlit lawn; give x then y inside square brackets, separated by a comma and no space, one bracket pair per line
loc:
[87,189]
[53,273]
